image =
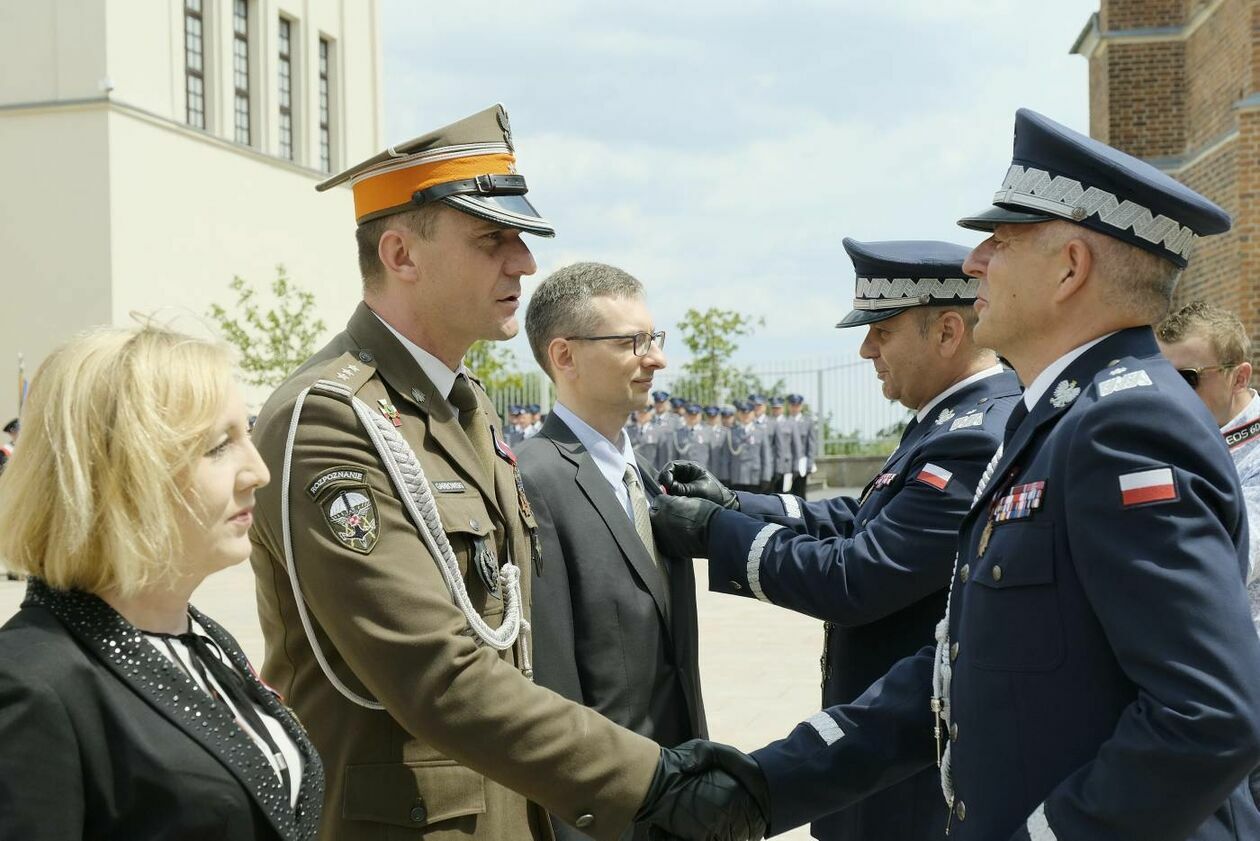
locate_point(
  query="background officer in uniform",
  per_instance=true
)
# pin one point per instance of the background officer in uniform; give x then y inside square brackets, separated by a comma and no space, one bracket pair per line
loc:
[692,440]
[665,422]
[783,459]
[721,446]
[749,465]
[394,551]
[877,568]
[1097,675]
[644,436]
[806,445]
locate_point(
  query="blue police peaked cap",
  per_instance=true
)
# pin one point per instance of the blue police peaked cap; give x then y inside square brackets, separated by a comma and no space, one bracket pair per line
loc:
[727,411]
[895,275]
[711,411]
[660,396]
[795,399]
[1057,173]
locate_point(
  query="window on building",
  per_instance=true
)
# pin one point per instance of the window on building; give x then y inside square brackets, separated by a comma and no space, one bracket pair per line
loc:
[194,64]
[286,88]
[325,105]
[240,67]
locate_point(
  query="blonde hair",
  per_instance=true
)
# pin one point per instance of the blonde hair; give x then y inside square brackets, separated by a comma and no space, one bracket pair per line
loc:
[1223,330]
[113,425]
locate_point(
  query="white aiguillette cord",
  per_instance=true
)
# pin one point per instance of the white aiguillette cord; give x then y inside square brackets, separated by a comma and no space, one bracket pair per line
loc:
[942,673]
[417,498]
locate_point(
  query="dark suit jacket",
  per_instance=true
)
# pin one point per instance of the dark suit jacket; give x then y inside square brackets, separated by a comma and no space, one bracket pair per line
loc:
[101,737]
[599,623]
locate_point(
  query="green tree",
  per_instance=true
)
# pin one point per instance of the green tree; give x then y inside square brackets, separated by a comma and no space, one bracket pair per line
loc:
[274,340]
[495,365]
[712,337]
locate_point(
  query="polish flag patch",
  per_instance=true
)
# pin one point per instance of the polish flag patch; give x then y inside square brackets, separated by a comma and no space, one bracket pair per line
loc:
[1146,486]
[934,475]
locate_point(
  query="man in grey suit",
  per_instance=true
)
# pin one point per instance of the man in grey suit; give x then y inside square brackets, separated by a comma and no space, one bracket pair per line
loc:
[614,621]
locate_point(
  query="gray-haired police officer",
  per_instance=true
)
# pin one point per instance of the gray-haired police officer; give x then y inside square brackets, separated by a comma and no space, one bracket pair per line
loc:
[877,568]
[1097,675]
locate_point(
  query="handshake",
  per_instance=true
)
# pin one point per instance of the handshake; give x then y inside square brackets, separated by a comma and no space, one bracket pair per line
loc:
[680,517]
[705,791]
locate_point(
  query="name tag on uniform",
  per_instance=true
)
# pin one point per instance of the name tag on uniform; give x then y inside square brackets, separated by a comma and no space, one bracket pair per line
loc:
[449,487]
[1020,503]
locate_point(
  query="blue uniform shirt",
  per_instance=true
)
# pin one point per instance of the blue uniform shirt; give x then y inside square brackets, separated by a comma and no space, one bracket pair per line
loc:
[1105,679]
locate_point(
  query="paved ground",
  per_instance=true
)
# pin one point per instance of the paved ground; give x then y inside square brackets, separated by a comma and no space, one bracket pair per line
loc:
[758,663]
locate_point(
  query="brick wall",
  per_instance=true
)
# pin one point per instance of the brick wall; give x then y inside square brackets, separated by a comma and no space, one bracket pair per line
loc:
[1162,92]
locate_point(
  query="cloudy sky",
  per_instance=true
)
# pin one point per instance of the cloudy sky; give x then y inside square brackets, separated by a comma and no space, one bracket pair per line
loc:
[720,151]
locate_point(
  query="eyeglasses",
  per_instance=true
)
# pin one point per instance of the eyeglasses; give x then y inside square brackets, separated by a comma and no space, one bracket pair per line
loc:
[1192,376]
[643,340]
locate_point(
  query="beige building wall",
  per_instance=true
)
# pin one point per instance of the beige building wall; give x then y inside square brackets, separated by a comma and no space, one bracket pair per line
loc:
[113,204]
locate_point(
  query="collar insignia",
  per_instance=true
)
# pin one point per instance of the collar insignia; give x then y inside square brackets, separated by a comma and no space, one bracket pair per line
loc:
[1064,393]
[944,416]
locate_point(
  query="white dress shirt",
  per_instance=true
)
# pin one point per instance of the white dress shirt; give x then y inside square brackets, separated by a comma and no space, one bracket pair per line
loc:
[1046,378]
[611,458]
[442,377]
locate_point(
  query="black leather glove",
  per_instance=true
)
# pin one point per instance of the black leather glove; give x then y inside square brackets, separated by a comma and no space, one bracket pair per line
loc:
[680,525]
[686,478]
[705,791]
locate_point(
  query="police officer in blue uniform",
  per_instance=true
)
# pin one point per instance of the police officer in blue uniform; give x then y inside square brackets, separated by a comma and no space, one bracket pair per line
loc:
[877,568]
[1097,675]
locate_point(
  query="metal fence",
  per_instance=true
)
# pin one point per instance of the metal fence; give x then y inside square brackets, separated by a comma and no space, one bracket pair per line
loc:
[844,394]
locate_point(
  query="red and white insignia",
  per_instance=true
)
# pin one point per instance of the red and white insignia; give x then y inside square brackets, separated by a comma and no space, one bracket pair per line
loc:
[1146,486]
[934,475]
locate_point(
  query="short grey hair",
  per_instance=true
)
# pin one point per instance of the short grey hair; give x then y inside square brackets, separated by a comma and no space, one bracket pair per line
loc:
[560,306]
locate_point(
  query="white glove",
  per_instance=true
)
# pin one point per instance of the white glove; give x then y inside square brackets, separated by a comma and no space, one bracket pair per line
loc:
[802,465]
[787,482]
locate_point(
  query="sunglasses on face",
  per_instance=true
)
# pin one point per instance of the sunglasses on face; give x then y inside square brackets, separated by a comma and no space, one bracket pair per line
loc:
[1193,376]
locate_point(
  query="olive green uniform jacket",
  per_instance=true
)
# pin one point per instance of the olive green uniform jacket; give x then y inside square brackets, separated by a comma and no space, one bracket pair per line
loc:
[466,744]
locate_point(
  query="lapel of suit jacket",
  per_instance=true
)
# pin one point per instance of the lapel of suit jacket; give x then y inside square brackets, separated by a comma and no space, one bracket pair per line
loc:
[399,369]
[122,649]
[605,502]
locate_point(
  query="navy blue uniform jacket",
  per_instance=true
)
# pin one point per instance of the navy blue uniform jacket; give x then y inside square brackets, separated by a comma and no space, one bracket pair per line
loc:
[1106,676]
[876,569]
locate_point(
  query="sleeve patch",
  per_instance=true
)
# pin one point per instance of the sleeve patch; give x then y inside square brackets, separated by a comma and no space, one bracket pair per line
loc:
[934,475]
[1143,487]
[826,727]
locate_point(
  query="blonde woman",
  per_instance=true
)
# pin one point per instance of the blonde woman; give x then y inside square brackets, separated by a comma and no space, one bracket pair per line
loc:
[125,713]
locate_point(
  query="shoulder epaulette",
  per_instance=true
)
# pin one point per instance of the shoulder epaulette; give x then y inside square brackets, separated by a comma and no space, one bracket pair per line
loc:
[348,370]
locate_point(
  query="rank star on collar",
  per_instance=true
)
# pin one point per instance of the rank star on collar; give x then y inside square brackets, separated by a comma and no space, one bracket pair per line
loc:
[1064,393]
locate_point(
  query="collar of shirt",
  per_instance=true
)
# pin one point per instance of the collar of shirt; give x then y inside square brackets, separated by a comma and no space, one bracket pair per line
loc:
[1046,378]
[954,389]
[1248,414]
[611,459]
[443,378]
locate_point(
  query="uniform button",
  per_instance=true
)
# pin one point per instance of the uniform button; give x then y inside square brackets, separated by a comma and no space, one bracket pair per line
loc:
[584,821]
[474,524]
[960,810]
[366,357]
[964,573]
[953,732]
[997,573]
[953,651]
[418,813]
[735,585]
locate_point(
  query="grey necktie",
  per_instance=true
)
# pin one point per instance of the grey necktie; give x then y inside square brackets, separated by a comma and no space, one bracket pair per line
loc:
[643,523]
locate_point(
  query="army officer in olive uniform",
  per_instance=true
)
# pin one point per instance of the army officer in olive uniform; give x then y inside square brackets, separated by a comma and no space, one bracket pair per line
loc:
[393,554]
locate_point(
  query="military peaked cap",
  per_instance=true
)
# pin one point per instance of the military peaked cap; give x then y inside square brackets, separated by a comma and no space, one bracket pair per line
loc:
[895,275]
[1057,173]
[469,165]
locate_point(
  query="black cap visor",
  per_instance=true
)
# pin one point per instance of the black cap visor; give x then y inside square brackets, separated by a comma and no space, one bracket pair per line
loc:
[988,219]
[510,211]
[859,318]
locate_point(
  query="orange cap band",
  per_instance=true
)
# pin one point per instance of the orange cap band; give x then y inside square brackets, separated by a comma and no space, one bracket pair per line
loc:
[394,189]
